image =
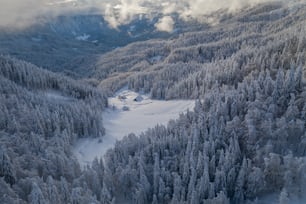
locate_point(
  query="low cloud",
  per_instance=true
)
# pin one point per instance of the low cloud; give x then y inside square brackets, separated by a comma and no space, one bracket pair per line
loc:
[166,24]
[23,13]
[123,12]
[17,13]
[20,14]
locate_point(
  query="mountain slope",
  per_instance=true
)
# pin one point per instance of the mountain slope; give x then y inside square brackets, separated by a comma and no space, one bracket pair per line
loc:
[42,115]
[245,139]
[76,40]
[222,54]
[238,144]
[244,142]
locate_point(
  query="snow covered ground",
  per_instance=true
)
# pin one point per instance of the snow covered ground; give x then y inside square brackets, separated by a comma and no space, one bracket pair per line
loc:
[58,96]
[274,199]
[141,115]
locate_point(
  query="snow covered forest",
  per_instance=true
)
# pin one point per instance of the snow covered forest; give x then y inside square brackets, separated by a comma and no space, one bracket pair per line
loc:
[244,142]
[42,115]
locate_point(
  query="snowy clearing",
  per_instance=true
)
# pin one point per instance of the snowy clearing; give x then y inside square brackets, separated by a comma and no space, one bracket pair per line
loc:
[141,115]
[56,95]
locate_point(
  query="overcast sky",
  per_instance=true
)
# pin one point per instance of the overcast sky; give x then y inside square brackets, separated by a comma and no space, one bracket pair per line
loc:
[23,13]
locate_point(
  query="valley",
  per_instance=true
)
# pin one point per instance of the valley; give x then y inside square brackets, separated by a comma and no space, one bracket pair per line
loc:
[140,102]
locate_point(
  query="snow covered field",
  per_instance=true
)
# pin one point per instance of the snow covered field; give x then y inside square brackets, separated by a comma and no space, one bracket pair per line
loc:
[138,116]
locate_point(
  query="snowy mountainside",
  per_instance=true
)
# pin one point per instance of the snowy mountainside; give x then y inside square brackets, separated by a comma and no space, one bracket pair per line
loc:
[240,145]
[129,112]
[243,143]
[245,140]
[76,40]
[41,115]
[228,47]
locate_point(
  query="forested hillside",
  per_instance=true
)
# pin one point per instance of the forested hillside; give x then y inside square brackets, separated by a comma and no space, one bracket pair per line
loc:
[76,40]
[238,144]
[268,36]
[244,142]
[245,139]
[42,115]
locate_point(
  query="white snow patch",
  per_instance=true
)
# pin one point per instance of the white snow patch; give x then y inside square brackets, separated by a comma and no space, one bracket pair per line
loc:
[132,28]
[83,37]
[142,115]
[56,95]
[36,39]
[274,199]
[155,59]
